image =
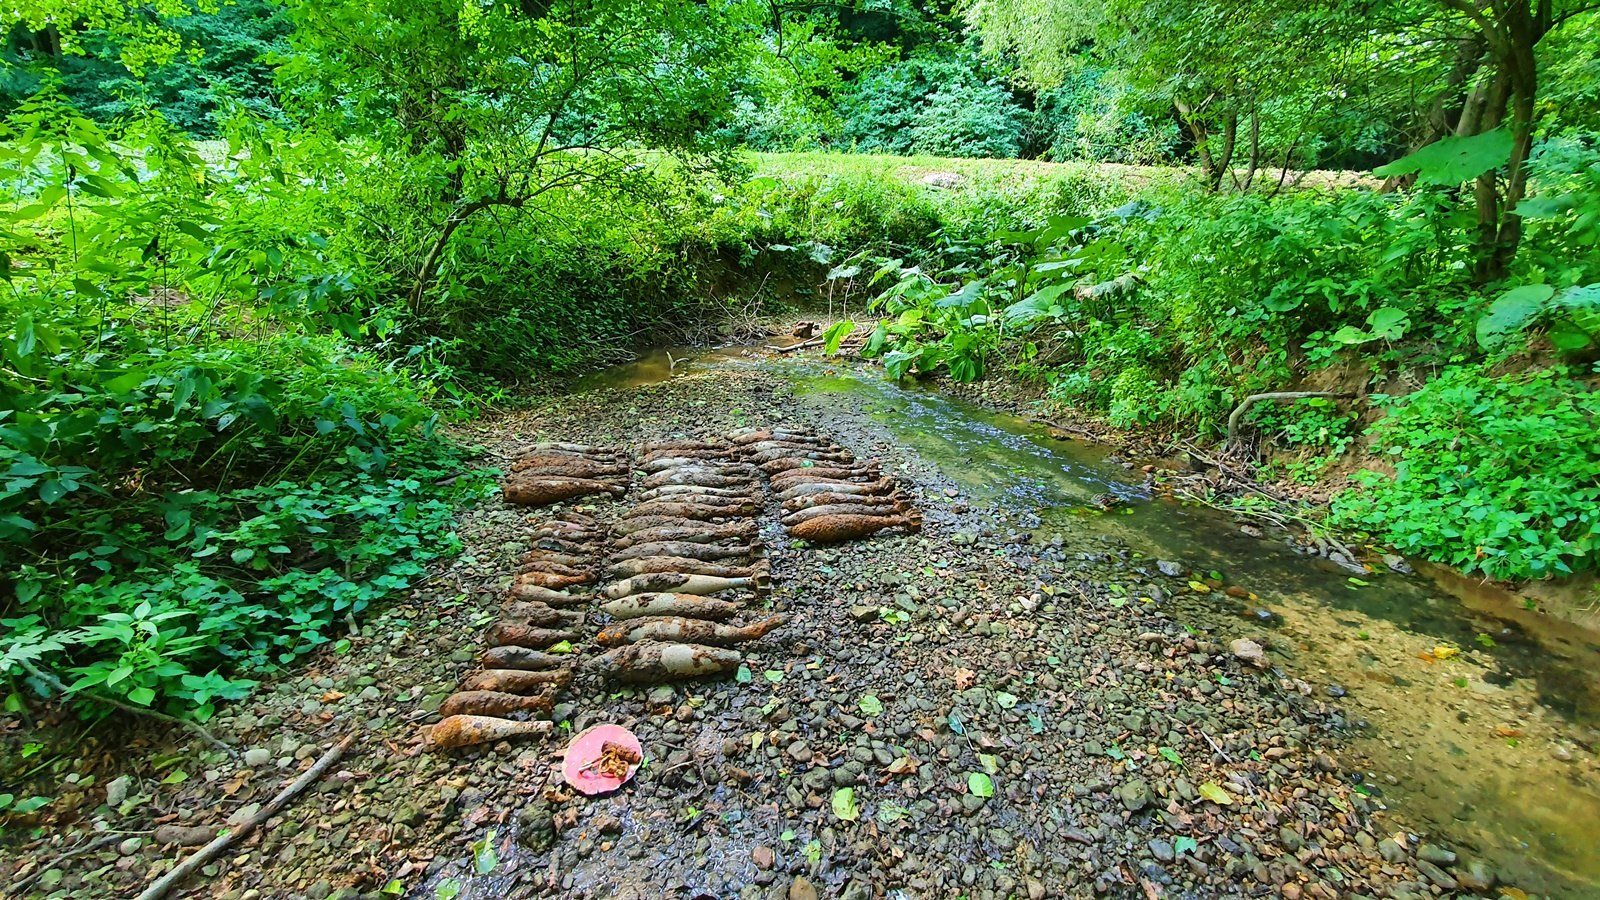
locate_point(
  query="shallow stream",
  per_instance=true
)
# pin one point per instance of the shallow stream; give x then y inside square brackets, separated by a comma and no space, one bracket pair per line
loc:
[1474,716]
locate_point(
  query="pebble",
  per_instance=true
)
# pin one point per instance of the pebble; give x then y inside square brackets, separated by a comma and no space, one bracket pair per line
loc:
[256,757]
[1134,794]
[1391,851]
[1436,854]
[1249,652]
[117,790]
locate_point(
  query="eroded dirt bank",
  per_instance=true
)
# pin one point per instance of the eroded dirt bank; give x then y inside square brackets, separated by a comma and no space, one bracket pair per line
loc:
[1029,698]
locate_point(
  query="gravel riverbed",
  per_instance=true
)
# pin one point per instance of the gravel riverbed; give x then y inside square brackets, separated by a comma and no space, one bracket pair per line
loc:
[979,710]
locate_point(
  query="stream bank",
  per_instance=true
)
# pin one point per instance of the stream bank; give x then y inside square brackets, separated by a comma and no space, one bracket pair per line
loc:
[1075,656]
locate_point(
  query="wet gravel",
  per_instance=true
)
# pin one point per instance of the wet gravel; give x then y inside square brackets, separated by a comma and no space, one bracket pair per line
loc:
[976,710]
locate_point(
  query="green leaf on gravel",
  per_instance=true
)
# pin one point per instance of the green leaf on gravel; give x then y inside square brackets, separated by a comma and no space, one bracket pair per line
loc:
[955,724]
[1035,723]
[870,705]
[1214,792]
[1170,755]
[773,675]
[1005,700]
[448,889]
[844,804]
[743,675]
[1185,844]
[980,785]
[813,851]
[394,888]
[484,859]
[890,813]
[178,776]
[563,647]
[787,835]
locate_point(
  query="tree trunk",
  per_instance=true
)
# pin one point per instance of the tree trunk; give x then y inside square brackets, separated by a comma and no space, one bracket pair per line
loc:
[1224,160]
[430,260]
[1524,89]
[1197,130]
[1255,148]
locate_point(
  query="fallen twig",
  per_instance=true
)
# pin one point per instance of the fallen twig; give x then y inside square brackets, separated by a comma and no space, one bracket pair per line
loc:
[222,841]
[814,342]
[1253,399]
[19,886]
[61,686]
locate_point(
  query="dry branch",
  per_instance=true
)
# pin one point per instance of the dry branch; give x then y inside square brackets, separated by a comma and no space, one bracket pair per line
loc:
[221,842]
[1253,399]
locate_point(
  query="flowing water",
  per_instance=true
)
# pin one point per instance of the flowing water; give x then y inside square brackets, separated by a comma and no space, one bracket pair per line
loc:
[1471,708]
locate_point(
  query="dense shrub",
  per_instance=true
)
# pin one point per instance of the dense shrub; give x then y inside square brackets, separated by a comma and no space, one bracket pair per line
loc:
[1493,474]
[935,104]
[199,474]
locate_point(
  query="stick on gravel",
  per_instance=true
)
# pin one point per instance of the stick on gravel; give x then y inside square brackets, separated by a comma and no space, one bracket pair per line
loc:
[222,841]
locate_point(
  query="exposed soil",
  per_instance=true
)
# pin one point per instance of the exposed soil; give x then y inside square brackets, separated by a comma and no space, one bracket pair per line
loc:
[1021,707]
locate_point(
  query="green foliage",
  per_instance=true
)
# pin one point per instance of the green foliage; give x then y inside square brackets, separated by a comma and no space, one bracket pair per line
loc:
[224,64]
[939,105]
[1497,474]
[1453,160]
[198,482]
[1313,422]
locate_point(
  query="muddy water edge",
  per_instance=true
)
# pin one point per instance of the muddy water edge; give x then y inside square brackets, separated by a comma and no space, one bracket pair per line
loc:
[1472,716]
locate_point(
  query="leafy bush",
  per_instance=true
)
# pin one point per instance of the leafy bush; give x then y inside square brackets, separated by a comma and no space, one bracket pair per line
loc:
[935,104]
[175,518]
[966,119]
[1498,474]
[1315,422]
[197,480]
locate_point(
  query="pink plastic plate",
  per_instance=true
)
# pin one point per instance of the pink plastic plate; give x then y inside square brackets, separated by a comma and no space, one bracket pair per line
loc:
[579,765]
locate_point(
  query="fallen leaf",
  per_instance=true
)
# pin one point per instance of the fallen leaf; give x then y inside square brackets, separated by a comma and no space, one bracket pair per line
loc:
[844,804]
[905,765]
[1214,792]
[980,785]
[964,678]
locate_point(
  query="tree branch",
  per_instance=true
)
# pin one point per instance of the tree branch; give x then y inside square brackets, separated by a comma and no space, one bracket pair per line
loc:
[1253,399]
[61,686]
[222,841]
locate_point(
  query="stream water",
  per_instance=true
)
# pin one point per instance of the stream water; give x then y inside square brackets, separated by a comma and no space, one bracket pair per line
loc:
[1475,714]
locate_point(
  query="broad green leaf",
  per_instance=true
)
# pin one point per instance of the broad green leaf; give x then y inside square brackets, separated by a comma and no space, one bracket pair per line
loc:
[1453,160]
[484,858]
[835,335]
[1512,312]
[980,785]
[844,804]
[1214,792]
[870,705]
